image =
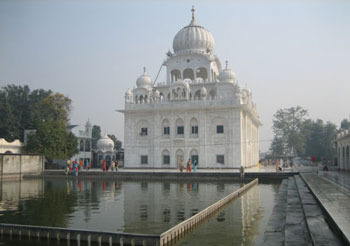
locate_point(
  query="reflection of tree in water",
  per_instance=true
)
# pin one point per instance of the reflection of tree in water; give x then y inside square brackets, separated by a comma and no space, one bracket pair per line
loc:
[49,210]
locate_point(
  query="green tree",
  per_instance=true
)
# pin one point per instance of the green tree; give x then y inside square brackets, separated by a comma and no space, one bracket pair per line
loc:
[287,127]
[319,138]
[20,109]
[96,135]
[53,141]
[345,124]
[117,143]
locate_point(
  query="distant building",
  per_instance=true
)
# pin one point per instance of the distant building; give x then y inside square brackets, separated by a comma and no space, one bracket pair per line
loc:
[200,113]
[84,135]
[105,150]
[342,144]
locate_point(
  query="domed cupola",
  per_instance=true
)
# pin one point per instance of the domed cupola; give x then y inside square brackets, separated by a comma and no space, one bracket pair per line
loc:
[227,75]
[144,81]
[193,38]
[105,144]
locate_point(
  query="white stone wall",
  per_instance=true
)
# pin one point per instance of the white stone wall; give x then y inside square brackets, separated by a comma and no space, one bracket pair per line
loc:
[343,150]
[238,143]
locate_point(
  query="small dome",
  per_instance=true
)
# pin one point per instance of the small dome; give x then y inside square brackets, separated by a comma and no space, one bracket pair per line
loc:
[128,93]
[193,38]
[227,75]
[105,144]
[157,94]
[144,81]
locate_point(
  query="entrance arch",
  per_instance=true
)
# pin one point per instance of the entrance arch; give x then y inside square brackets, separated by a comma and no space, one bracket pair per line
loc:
[179,157]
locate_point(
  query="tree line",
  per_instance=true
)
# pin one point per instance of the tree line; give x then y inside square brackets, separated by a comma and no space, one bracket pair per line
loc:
[297,135]
[47,113]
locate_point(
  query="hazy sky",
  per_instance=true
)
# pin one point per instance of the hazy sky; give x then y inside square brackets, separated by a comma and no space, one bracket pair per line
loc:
[288,52]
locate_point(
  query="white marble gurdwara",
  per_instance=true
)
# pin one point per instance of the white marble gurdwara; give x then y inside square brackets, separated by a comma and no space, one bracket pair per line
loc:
[200,112]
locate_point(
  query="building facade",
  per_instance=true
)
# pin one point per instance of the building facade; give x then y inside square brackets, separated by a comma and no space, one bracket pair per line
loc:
[200,112]
[342,144]
[84,135]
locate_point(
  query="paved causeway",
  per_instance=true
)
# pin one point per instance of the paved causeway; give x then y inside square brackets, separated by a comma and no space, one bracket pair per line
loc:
[332,192]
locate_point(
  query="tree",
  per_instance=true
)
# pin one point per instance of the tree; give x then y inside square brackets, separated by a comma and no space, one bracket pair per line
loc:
[345,124]
[287,127]
[20,109]
[319,138]
[96,135]
[53,141]
[117,143]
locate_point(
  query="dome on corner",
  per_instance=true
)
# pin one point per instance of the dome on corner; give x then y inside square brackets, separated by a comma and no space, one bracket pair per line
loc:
[227,75]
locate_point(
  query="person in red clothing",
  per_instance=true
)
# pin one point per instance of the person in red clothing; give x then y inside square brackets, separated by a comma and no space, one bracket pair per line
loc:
[104,165]
[81,164]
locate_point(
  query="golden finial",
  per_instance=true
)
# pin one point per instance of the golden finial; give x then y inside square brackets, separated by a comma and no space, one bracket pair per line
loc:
[192,12]
[144,70]
[226,64]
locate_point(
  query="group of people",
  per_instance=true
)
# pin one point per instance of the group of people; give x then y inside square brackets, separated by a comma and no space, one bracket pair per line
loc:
[278,163]
[190,166]
[109,166]
[76,166]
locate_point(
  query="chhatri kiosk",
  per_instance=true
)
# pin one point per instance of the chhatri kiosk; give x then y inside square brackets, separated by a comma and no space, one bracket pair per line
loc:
[200,112]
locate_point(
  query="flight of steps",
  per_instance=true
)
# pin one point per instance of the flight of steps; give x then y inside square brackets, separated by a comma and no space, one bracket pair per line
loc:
[297,219]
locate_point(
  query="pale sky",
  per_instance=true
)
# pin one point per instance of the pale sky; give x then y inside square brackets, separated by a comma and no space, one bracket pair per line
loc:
[288,52]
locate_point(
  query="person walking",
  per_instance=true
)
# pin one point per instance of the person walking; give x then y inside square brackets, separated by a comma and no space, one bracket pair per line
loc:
[86,164]
[76,168]
[182,165]
[68,166]
[104,165]
[189,165]
[117,165]
[195,166]
[112,166]
[81,164]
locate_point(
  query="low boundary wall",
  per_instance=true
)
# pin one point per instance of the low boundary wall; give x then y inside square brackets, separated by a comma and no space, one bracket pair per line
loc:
[24,232]
[18,165]
[176,231]
[167,176]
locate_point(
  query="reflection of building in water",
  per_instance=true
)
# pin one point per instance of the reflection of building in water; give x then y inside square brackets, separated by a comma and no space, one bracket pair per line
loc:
[236,224]
[12,192]
[251,214]
[162,205]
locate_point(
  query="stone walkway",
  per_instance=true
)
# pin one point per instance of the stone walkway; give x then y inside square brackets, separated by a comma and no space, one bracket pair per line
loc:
[297,218]
[334,198]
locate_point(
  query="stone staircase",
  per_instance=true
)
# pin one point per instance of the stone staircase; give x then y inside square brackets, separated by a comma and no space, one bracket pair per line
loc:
[297,219]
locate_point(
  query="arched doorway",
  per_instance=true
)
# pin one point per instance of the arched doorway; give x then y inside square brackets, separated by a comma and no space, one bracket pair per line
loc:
[179,157]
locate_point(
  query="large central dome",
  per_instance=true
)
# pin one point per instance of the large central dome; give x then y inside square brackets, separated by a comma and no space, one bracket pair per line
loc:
[193,38]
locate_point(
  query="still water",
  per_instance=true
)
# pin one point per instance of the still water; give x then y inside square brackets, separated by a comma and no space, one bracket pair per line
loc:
[138,207]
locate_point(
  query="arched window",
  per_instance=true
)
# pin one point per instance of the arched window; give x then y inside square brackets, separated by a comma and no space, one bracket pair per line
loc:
[87,145]
[136,99]
[197,95]
[202,73]
[161,96]
[194,127]
[81,145]
[175,75]
[180,127]
[188,74]
[166,157]
[168,97]
[165,128]
[179,157]
[212,94]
